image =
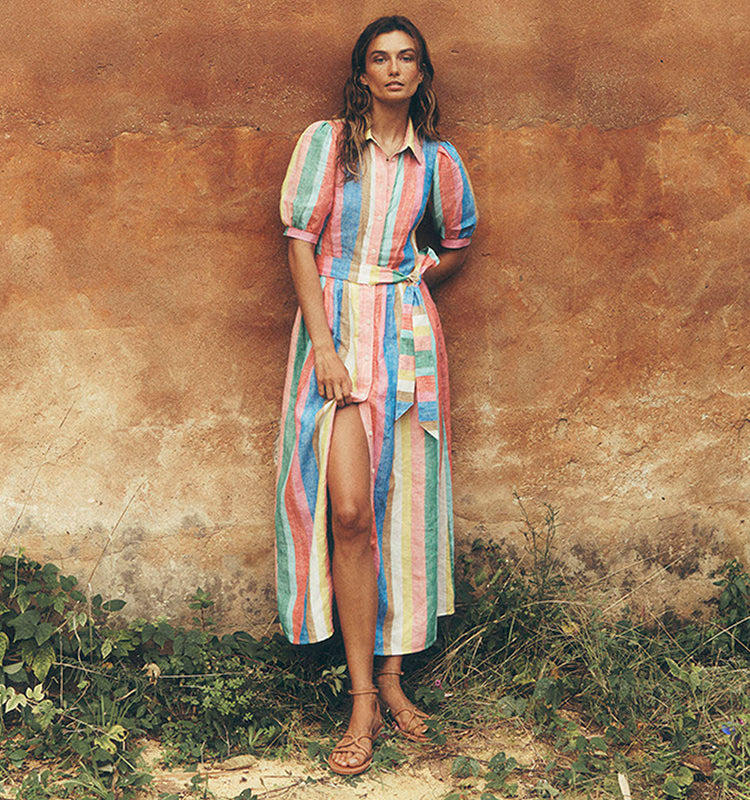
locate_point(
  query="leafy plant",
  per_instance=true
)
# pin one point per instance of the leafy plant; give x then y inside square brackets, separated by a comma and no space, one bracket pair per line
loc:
[732,757]
[79,686]
[734,609]
[201,601]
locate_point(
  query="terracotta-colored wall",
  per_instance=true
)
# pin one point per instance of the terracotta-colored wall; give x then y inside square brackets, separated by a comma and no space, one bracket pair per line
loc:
[599,334]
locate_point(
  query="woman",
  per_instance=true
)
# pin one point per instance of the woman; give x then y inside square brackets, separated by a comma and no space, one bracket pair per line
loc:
[365,432]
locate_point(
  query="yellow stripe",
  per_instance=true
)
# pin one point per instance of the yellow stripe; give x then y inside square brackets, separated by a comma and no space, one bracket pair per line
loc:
[406,517]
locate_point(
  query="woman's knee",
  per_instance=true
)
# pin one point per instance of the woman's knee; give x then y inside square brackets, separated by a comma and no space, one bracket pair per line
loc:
[351,520]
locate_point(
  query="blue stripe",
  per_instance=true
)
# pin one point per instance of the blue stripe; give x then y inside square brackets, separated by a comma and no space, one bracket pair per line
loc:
[382,479]
[352,208]
[308,461]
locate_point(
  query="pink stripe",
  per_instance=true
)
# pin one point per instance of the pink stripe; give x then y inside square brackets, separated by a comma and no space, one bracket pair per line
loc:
[297,524]
[296,233]
[455,244]
[408,209]
[426,387]
[333,231]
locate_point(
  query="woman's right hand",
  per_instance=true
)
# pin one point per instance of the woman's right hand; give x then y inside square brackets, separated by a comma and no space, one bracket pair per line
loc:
[334,382]
[332,375]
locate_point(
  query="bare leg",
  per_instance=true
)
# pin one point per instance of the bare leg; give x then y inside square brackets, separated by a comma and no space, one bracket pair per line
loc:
[407,716]
[354,579]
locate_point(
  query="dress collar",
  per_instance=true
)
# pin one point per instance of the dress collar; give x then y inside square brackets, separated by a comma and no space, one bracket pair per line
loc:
[411,142]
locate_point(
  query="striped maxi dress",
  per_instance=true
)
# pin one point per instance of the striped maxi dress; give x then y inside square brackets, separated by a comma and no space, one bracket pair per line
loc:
[386,330]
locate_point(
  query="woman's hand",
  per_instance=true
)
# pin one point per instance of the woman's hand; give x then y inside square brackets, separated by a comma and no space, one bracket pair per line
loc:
[334,382]
[333,378]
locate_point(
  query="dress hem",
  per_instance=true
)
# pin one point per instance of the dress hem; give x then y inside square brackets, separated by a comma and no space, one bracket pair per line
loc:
[377,654]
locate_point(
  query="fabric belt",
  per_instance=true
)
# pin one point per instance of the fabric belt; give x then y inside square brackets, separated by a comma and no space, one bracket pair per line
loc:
[417,378]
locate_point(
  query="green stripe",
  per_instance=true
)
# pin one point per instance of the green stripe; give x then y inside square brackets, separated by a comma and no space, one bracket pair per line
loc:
[311,177]
[431,525]
[445,461]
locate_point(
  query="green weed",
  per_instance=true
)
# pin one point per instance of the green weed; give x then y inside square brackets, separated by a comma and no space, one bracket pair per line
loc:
[79,688]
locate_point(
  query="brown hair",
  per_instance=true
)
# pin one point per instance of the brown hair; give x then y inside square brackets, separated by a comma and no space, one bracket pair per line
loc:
[424,111]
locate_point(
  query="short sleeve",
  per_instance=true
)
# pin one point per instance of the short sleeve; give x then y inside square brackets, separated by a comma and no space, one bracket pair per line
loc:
[453,204]
[307,192]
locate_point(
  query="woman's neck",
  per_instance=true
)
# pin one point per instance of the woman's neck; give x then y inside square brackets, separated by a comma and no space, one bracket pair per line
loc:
[388,125]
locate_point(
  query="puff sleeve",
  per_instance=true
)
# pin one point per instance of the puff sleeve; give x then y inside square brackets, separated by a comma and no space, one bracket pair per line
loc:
[307,192]
[452,199]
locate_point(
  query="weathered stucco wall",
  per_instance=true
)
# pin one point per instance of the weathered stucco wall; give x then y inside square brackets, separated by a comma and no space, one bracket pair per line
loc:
[599,334]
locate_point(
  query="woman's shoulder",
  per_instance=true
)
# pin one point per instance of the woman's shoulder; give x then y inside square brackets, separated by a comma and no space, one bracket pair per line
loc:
[326,127]
[447,149]
[441,151]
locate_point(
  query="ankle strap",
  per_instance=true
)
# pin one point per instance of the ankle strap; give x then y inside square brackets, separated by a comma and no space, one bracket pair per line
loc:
[389,672]
[355,692]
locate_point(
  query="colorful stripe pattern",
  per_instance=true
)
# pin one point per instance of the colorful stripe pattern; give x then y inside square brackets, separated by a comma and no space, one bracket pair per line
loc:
[387,332]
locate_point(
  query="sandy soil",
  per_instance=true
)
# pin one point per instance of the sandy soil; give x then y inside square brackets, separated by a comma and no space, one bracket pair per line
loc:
[425,776]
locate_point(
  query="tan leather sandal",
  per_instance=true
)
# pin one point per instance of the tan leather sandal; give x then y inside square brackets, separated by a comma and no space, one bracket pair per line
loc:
[408,726]
[353,746]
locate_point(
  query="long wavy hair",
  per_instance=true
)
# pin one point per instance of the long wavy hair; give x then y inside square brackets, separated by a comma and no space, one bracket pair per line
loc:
[423,110]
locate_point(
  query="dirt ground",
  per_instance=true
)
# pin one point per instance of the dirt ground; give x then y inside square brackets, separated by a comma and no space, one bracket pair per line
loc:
[426,775]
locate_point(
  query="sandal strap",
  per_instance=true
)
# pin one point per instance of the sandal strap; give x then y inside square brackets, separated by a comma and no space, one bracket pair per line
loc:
[349,742]
[411,711]
[412,723]
[389,672]
[415,714]
[355,692]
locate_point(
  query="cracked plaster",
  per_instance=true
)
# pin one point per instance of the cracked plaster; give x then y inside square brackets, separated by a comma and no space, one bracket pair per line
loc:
[598,336]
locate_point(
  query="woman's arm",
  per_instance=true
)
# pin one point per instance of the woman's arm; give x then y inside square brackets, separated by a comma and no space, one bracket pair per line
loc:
[333,378]
[451,261]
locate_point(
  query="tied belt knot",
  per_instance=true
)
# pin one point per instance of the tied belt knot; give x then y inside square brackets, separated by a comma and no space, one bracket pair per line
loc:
[417,378]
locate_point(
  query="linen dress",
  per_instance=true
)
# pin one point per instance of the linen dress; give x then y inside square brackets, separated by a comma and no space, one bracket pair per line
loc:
[386,330]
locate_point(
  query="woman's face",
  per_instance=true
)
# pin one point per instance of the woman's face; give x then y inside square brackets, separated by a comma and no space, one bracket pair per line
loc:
[392,71]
